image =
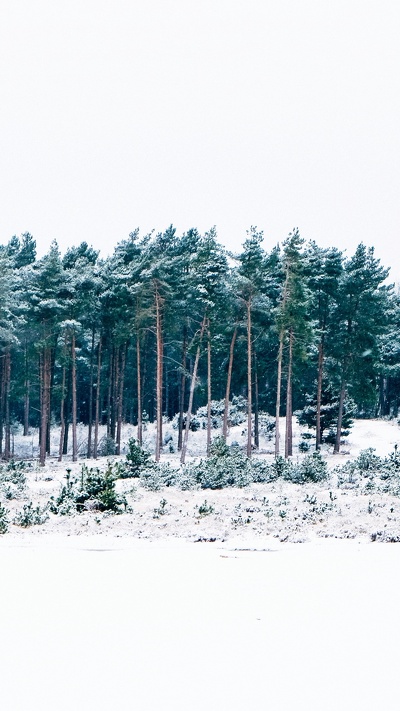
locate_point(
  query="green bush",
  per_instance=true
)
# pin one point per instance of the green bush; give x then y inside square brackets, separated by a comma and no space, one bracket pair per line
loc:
[137,460]
[311,469]
[94,490]
[3,519]
[31,516]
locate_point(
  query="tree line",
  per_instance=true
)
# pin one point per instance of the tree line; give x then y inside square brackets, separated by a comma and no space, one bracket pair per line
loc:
[169,323]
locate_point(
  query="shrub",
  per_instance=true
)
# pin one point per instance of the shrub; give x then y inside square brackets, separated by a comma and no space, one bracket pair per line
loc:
[31,516]
[12,479]
[137,459]
[311,468]
[3,519]
[94,490]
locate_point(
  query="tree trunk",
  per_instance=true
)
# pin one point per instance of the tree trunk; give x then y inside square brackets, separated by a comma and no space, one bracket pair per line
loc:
[159,374]
[208,389]
[278,392]
[27,393]
[318,434]
[44,417]
[97,406]
[182,389]
[90,412]
[7,429]
[249,383]
[256,425]
[139,392]
[121,398]
[228,385]
[62,405]
[74,408]
[289,408]
[191,393]
[2,401]
[340,417]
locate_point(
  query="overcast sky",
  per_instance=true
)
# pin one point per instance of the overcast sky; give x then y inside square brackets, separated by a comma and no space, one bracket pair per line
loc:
[118,114]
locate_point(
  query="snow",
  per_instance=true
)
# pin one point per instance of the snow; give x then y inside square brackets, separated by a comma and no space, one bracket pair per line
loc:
[96,615]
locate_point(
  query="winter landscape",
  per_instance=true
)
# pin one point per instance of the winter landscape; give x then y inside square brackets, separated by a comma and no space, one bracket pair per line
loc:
[269,595]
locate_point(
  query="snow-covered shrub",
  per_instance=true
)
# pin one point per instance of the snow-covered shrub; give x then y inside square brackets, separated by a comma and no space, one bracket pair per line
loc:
[31,515]
[266,425]
[311,468]
[106,446]
[137,460]
[236,415]
[93,490]
[3,519]
[12,479]
[158,476]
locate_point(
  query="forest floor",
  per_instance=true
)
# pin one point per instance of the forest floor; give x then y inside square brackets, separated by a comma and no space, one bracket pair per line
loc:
[256,516]
[123,612]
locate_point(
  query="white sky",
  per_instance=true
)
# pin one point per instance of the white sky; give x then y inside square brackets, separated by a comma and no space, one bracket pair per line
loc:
[122,113]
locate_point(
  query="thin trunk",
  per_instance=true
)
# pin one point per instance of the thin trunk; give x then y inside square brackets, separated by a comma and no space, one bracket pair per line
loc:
[7,438]
[98,389]
[114,392]
[62,405]
[139,392]
[256,425]
[319,393]
[278,392]
[249,384]
[340,417]
[208,388]
[74,408]
[121,398]
[27,393]
[67,410]
[45,387]
[182,389]
[228,385]
[109,391]
[158,302]
[191,393]
[289,409]
[90,413]
[2,401]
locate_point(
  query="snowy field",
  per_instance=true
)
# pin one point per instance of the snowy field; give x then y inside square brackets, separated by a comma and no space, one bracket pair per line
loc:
[126,612]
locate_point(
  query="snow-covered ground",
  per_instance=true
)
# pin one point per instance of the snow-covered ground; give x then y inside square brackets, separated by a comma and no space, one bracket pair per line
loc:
[124,612]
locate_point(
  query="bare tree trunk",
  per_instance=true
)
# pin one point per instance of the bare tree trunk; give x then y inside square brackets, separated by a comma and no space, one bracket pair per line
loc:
[7,438]
[289,418]
[342,398]
[182,389]
[27,392]
[90,413]
[2,401]
[191,393]
[319,393]
[159,375]
[228,385]
[45,376]
[62,405]
[139,392]
[256,425]
[249,383]
[74,404]
[208,388]
[278,392]
[109,390]
[114,392]
[121,398]
[97,406]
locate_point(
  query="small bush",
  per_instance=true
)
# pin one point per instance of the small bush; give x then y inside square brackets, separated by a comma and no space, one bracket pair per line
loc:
[311,468]
[3,519]
[137,460]
[94,490]
[31,516]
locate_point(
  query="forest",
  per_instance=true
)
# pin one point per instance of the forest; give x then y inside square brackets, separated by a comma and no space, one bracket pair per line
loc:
[172,323]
